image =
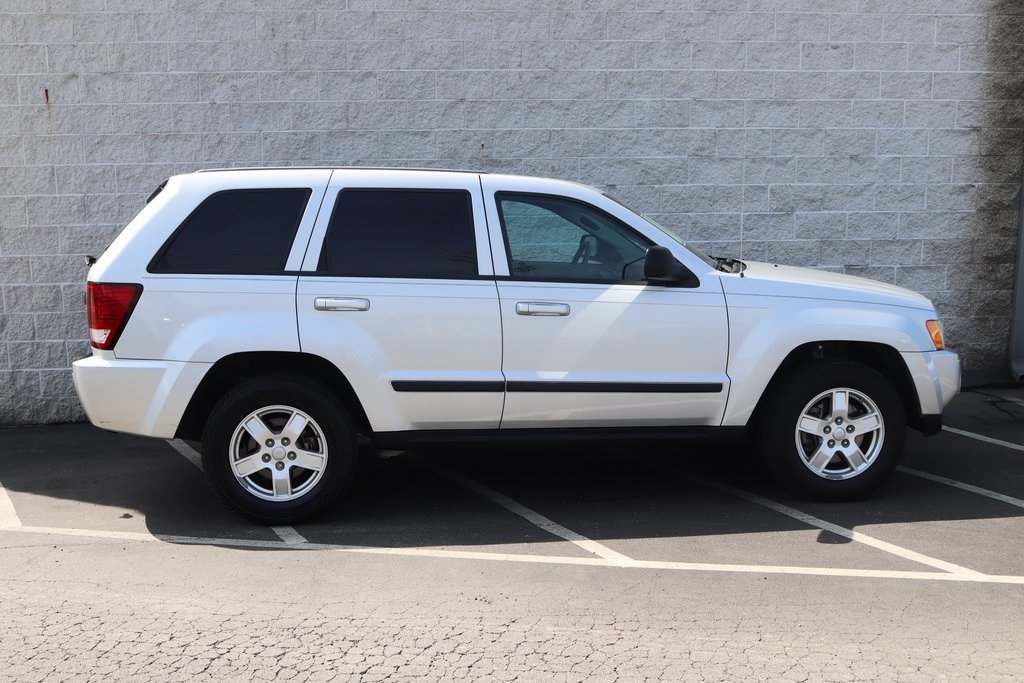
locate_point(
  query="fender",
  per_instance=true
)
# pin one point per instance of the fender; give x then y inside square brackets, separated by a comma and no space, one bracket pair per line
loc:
[765,329]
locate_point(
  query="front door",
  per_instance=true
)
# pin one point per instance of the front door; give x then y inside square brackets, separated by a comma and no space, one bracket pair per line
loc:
[588,343]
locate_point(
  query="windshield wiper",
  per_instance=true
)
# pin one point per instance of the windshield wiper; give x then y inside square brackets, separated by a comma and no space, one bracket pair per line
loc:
[729,265]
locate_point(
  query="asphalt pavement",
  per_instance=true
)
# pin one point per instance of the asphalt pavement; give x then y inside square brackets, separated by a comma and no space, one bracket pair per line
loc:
[646,563]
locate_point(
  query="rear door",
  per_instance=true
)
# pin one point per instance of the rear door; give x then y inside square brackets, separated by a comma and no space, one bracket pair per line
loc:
[397,291]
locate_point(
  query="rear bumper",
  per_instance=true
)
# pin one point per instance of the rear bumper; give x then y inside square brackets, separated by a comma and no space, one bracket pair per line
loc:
[136,396]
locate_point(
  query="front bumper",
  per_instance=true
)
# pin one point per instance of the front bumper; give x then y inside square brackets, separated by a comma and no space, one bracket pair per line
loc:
[136,396]
[936,377]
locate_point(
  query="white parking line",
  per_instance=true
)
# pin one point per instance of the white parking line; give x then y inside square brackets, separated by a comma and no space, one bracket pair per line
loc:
[285,533]
[527,558]
[289,535]
[526,513]
[961,485]
[981,437]
[811,520]
[8,515]
[190,453]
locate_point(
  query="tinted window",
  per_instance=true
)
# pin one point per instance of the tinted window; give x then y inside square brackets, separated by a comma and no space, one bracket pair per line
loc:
[555,238]
[239,231]
[401,233]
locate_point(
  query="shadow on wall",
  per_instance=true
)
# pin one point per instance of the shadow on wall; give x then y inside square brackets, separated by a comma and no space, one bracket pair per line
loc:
[1006,33]
[993,128]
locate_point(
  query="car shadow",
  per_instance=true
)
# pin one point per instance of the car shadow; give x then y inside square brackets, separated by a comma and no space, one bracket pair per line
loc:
[78,476]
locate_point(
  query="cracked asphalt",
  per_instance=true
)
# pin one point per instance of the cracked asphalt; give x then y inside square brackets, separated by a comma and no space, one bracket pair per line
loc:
[684,564]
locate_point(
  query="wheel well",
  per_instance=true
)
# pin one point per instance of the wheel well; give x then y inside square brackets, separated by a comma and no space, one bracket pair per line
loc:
[231,370]
[882,358]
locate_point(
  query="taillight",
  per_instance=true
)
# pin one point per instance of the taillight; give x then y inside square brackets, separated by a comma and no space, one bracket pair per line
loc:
[109,308]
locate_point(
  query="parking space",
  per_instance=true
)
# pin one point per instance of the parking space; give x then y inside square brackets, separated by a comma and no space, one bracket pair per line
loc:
[952,516]
[950,509]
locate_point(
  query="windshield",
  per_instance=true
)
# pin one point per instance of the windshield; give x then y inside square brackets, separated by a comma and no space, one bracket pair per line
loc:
[693,250]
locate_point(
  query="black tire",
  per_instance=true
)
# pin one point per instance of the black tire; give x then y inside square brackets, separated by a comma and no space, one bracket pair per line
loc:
[298,468]
[805,411]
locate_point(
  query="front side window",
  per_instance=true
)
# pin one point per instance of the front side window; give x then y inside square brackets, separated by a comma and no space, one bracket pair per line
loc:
[236,231]
[401,233]
[560,239]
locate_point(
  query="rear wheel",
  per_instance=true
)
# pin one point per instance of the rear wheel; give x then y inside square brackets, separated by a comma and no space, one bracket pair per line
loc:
[833,430]
[279,449]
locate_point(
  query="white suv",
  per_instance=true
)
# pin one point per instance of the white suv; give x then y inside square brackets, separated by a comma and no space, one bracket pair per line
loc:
[276,314]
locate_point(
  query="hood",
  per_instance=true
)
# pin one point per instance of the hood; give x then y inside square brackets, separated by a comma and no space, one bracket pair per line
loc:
[768,279]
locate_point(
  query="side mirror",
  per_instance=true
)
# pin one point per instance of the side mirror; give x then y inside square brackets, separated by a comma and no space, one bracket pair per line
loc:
[661,267]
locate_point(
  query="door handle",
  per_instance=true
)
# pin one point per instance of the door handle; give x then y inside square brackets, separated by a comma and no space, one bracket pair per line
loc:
[541,308]
[326,303]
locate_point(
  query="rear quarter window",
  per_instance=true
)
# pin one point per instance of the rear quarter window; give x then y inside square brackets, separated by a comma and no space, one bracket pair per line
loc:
[235,231]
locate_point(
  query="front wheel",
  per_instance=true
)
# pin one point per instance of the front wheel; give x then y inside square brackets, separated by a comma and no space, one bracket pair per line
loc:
[833,430]
[278,449]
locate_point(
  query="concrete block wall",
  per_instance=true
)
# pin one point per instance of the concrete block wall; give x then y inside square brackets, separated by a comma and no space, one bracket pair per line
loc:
[876,137]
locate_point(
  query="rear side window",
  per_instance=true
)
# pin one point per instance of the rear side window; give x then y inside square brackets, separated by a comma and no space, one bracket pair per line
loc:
[401,233]
[237,231]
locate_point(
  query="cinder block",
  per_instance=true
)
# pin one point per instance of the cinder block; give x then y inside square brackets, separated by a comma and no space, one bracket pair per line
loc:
[931,115]
[16,327]
[880,273]
[772,113]
[853,85]
[826,56]
[38,355]
[965,28]
[825,113]
[874,170]
[909,28]
[907,85]
[900,197]
[896,252]
[48,210]
[947,251]
[38,27]
[726,56]
[611,54]
[161,87]
[579,25]
[803,27]
[820,225]
[844,253]
[746,85]
[874,225]
[934,225]
[799,85]
[19,241]
[87,239]
[773,55]
[921,278]
[952,197]
[804,253]
[999,197]
[28,59]
[19,383]
[57,384]
[297,25]
[880,56]
[769,226]
[288,87]
[929,57]
[929,170]
[879,113]
[902,142]
[851,142]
